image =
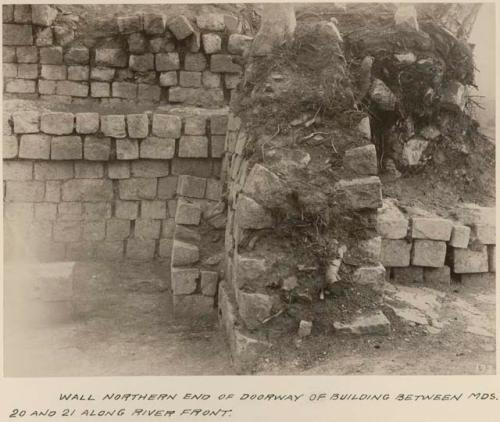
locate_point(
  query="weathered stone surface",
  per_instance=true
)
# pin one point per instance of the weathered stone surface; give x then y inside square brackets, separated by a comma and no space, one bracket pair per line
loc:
[77,55]
[395,253]
[184,280]
[51,55]
[129,24]
[193,146]
[192,166]
[408,275]
[142,63]
[91,190]
[66,148]
[63,34]
[26,55]
[201,97]
[375,323]
[413,150]
[166,126]
[102,74]
[460,236]
[57,123]
[168,78]
[150,168]
[17,170]
[180,27]
[9,146]
[391,222]
[187,213]
[54,170]
[154,23]
[54,72]
[470,214]
[125,90]
[127,149]
[146,228]
[80,73]
[195,62]
[17,34]
[454,95]
[117,229]
[43,14]
[191,186]
[113,126]
[26,121]
[157,148]
[20,86]
[167,62]
[362,160]
[87,123]
[428,253]
[184,253]
[112,57]
[100,89]
[470,261]
[254,308]
[140,249]
[210,21]
[35,147]
[439,276]
[485,280]
[382,95]
[373,276]
[264,186]
[137,125]
[406,17]
[431,228]
[128,210]
[118,170]
[248,270]
[208,283]
[251,215]
[239,44]
[371,248]
[212,43]
[484,233]
[360,193]
[27,71]
[88,170]
[74,89]
[186,234]
[224,63]
[44,37]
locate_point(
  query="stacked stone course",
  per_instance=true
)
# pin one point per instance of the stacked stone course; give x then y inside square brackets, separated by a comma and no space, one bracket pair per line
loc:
[84,185]
[165,59]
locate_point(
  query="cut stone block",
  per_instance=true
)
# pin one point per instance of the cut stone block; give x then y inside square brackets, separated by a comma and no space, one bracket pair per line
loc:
[460,236]
[239,44]
[180,27]
[187,213]
[372,276]
[360,193]
[428,253]
[362,160]
[146,228]
[470,261]
[112,57]
[264,186]
[87,123]
[251,215]
[395,253]
[35,147]
[408,275]
[193,146]
[166,126]
[305,328]
[66,148]
[210,22]
[184,253]
[470,214]
[140,249]
[439,276]
[484,233]
[129,24]
[371,324]
[212,43]
[191,186]
[91,190]
[195,62]
[26,121]
[137,125]
[208,283]
[254,308]
[371,248]
[57,123]
[157,148]
[431,228]
[391,222]
[184,280]
[484,280]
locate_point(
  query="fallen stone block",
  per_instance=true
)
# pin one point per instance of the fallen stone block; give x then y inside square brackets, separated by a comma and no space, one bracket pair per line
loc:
[265,186]
[382,95]
[362,160]
[431,228]
[413,150]
[470,261]
[359,193]
[395,253]
[305,328]
[460,236]
[439,276]
[428,253]
[251,215]
[454,95]
[371,324]
[254,308]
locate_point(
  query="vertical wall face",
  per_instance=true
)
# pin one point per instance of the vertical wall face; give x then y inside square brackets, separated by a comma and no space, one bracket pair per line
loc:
[88,174]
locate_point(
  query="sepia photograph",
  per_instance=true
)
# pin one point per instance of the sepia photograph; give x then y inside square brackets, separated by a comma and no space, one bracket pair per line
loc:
[249,189]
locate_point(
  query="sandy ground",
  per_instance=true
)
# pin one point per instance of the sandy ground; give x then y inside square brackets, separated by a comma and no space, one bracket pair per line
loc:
[124,326]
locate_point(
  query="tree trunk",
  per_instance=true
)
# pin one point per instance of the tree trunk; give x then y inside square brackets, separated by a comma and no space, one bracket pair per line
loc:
[277,28]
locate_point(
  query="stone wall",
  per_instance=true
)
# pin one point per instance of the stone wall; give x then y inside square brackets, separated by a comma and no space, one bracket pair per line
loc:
[86,186]
[147,58]
[420,247]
